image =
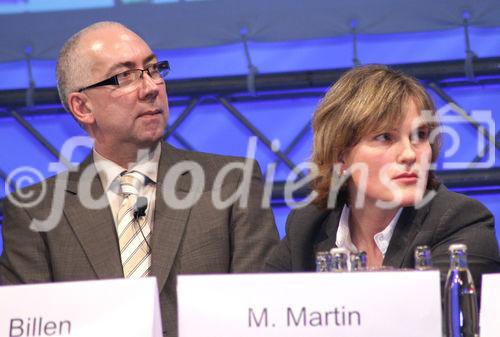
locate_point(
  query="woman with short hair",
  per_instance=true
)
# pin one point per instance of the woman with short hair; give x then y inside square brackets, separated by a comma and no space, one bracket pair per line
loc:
[375,140]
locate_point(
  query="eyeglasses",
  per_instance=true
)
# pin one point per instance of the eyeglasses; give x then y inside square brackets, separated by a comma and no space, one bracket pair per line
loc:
[157,72]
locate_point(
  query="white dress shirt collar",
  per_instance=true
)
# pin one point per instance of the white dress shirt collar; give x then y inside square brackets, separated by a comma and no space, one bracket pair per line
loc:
[381,239]
[108,170]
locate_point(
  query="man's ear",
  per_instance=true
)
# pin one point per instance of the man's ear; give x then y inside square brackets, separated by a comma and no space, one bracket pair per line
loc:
[81,108]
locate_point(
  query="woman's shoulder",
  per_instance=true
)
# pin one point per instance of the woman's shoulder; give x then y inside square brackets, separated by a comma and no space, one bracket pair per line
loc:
[306,219]
[450,213]
[449,201]
[310,214]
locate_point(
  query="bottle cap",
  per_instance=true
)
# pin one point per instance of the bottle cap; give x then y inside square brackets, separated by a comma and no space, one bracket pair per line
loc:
[358,261]
[335,251]
[457,246]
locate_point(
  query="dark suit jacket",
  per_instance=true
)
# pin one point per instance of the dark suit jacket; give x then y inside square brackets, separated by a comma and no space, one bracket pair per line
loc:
[448,218]
[197,240]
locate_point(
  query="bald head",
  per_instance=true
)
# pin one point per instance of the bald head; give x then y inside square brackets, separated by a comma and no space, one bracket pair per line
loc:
[74,66]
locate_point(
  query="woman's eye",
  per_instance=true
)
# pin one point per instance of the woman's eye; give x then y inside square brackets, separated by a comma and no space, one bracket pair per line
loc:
[421,135]
[384,137]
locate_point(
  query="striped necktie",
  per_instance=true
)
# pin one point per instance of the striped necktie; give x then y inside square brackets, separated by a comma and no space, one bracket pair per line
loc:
[133,232]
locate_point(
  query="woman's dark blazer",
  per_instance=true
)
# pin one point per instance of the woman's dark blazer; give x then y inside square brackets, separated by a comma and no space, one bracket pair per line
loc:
[448,218]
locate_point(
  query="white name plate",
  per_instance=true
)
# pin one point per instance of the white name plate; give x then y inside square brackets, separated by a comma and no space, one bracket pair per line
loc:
[490,305]
[125,308]
[388,304]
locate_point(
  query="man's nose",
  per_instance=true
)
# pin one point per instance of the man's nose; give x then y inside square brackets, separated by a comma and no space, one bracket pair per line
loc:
[148,87]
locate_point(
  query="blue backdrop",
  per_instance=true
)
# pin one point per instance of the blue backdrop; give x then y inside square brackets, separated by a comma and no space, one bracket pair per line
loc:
[194,52]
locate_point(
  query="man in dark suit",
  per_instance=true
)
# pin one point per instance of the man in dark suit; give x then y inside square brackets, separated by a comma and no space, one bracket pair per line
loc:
[201,213]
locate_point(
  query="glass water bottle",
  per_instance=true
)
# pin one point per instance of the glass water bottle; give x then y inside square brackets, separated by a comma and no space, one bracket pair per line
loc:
[460,304]
[339,259]
[358,261]
[423,260]
[323,262]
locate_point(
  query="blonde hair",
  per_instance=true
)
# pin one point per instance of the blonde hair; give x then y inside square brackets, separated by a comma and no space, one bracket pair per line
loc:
[365,99]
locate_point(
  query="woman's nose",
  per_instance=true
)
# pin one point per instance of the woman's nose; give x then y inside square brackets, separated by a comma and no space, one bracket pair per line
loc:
[407,153]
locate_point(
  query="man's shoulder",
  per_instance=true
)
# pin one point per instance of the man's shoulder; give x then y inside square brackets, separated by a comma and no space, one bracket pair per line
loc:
[214,167]
[202,157]
[40,194]
[43,185]
[37,196]
[210,163]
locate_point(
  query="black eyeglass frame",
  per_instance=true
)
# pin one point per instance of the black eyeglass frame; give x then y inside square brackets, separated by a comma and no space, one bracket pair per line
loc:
[163,66]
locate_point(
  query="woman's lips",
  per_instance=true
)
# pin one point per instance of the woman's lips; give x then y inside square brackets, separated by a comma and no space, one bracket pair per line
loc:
[407,178]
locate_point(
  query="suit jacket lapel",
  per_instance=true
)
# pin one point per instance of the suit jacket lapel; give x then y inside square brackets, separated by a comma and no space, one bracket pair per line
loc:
[327,231]
[169,223]
[95,229]
[407,227]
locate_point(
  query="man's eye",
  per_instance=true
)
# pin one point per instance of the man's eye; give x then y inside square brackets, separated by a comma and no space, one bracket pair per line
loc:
[153,68]
[125,74]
